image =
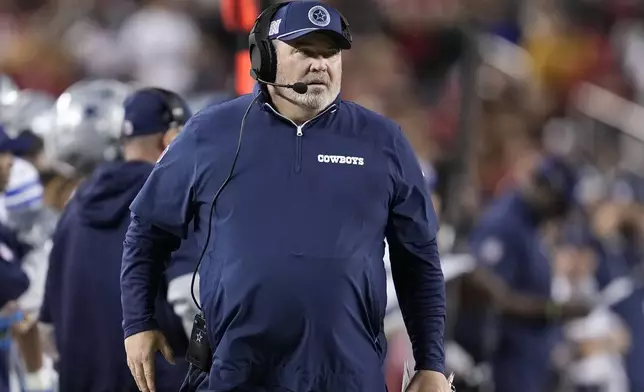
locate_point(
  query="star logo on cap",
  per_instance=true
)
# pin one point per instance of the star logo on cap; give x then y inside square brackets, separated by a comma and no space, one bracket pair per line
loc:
[319,16]
[91,111]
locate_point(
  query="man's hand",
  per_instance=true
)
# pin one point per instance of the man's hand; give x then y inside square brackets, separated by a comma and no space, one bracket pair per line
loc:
[428,381]
[140,349]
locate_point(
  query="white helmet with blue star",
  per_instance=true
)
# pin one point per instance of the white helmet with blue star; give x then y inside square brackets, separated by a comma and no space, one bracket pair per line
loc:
[87,123]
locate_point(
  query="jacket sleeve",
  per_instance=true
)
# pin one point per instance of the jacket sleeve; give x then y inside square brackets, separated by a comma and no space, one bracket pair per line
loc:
[415,264]
[49,310]
[161,213]
[13,282]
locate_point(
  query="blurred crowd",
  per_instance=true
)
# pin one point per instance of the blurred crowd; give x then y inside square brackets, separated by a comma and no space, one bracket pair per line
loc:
[485,90]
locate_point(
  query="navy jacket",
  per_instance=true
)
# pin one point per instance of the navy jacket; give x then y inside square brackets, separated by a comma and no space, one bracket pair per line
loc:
[507,241]
[293,281]
[82,293]
[13,283]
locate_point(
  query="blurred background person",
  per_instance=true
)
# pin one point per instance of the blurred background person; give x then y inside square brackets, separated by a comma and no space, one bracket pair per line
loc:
[514,274]
[82,297]
[617,220]
[15,282]
[594,344]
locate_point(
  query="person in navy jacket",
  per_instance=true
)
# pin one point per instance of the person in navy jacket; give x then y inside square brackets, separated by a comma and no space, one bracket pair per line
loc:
[292,282]
[13,280]
[514,273]
[82,297]
[624,263]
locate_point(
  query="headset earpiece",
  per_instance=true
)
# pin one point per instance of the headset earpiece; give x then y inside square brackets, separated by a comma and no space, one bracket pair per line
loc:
[175,111]
[262,52]
[254,51]
[263,60]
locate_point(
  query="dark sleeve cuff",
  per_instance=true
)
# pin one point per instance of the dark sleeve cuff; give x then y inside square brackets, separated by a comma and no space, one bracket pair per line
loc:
[431,365]
[140,327]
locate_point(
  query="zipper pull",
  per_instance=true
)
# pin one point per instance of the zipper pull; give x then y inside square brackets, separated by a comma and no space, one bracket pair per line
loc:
[299,131]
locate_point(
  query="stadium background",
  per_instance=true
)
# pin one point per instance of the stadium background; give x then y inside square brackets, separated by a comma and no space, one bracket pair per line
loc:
[482,88]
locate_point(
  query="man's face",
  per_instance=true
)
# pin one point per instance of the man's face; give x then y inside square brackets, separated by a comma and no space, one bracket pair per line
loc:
[313,59]
[549,204]
[6,161]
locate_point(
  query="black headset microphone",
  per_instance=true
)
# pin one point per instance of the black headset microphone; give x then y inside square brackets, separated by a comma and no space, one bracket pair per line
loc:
[299,87]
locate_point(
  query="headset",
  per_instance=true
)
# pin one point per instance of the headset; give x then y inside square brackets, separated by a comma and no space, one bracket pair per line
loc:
[263,58]
[175,113]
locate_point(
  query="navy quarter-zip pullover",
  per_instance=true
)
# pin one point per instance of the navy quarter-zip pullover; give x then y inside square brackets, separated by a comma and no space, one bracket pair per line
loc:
[293,284]
[82,292]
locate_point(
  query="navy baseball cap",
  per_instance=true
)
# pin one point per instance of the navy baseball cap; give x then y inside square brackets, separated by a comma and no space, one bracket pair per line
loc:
[8,144]
[298,18]
[146,113]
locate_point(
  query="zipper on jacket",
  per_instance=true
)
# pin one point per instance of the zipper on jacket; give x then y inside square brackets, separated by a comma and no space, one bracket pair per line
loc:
[299,133]
[298,149]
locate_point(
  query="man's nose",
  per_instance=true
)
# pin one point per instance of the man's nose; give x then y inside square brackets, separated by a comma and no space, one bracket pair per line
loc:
[319,64]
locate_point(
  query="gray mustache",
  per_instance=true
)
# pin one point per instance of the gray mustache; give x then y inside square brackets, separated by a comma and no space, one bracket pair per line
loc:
[318,81]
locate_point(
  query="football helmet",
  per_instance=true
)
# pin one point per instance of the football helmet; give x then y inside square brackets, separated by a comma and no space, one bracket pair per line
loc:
[87,123]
